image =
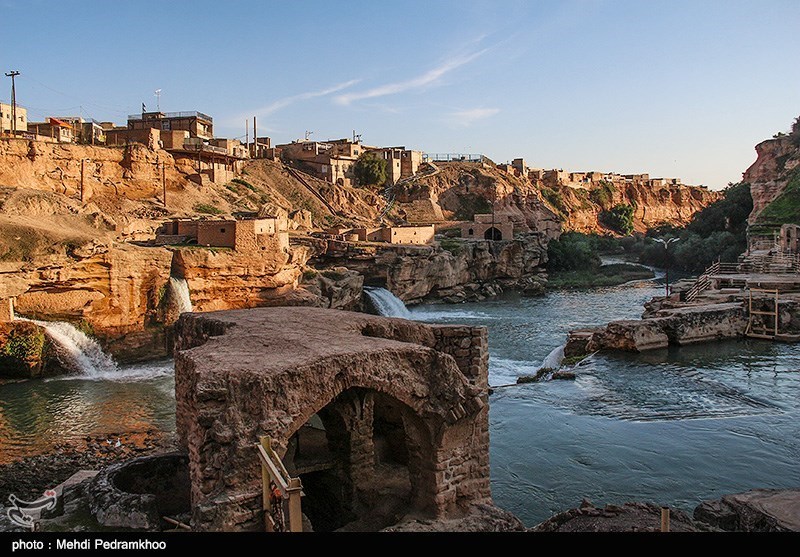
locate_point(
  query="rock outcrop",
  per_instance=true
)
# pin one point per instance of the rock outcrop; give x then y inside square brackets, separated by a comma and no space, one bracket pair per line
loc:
[771,173]
[681,325]
[460,271]
[629,517]
[758,510]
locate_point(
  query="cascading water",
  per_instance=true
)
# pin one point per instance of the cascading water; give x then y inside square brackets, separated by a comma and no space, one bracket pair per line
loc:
[76,350]
[179,289]
[386,303]
[551,363]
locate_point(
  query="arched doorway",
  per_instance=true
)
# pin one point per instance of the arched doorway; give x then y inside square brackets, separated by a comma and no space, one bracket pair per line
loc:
[359,458]
[492,233]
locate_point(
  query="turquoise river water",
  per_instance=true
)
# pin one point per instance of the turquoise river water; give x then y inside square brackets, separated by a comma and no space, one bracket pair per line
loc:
[672,427]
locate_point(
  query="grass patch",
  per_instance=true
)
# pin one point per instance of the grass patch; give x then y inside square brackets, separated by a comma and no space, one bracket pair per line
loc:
[334,275]
[607,275]
[244,183]
[207,209]
[785,208]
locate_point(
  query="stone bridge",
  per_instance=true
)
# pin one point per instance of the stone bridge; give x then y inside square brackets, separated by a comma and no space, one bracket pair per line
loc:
[381,418]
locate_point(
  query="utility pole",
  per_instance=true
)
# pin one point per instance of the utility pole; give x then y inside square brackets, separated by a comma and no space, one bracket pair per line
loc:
[83,164]
[164,181]
[247,134]
[255,139]
[12,74]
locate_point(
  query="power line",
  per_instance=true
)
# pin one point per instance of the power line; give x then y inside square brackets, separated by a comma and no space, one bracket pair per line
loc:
[83,101]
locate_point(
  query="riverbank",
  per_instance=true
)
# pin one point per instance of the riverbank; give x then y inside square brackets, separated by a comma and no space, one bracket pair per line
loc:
[29,477]
[613,274]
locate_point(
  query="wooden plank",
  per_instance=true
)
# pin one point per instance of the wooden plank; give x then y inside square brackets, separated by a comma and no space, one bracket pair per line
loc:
[295,510]
[274,473]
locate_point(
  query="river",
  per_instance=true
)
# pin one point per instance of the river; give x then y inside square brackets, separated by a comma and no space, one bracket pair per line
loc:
[671,426]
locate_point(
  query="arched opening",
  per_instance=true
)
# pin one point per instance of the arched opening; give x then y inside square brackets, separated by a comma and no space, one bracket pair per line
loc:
[493,233]
[360,458]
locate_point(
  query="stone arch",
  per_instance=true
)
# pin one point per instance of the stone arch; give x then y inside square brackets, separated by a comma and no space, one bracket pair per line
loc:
[493,233]
[277,367]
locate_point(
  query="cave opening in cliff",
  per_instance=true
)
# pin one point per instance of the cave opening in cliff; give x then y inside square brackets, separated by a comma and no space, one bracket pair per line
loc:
[358,459]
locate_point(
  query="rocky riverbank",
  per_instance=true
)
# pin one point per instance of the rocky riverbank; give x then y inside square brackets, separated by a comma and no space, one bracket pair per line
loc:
[30,477]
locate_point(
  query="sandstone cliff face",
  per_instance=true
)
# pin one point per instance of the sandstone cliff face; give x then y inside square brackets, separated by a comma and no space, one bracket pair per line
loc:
[771,173]
[115,290]
[221,279]
[459,190]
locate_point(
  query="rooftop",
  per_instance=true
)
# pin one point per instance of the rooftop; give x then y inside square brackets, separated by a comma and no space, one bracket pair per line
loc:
[189,114]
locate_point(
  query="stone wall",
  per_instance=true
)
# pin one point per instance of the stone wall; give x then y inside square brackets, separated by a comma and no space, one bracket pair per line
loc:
[244,374]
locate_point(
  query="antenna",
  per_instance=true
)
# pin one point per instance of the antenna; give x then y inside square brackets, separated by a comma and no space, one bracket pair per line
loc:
[158,99]
[308,134]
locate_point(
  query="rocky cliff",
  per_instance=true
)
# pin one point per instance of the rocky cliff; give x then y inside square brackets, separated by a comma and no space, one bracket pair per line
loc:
[546,202]
[774,181]
[457,272]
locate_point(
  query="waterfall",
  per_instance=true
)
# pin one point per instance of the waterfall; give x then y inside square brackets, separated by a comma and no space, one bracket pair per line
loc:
[76,350]
[179,289]
[387,303]
[554,358]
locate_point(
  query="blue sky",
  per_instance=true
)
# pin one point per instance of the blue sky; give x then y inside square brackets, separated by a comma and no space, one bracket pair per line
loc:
[668,87]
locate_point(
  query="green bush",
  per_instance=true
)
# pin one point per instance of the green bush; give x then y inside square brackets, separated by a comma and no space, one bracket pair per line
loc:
[555,199]
[244,183]
[572,251]
[370,170]
[24,345]
[452,245]
[786,207]
[207,209]
[619,218]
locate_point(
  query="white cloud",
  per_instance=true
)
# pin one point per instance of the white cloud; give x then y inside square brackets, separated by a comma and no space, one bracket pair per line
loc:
[468,117]
[286,101]
[428,78]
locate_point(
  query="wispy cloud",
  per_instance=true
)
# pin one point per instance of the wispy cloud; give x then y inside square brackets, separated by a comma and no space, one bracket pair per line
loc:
[468,117]
[428,78]
[286,101]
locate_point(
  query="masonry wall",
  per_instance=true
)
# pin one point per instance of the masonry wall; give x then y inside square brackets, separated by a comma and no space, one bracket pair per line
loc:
[221,233]
[420,235]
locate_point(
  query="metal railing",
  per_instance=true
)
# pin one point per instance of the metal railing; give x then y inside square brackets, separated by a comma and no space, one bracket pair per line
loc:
[453,157]
[189,114]
[703,282]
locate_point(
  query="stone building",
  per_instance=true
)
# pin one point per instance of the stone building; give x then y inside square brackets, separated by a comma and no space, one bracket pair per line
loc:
[245,235]
[409,235]
[196,123]
[488,227]
[6,124]
[333,160]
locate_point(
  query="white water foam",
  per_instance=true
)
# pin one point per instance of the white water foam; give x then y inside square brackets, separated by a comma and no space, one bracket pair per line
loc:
[387,304]
[179,289]
[76,350]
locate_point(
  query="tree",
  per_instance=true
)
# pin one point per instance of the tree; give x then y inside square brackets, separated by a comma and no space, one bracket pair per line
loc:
[370,170]
[619,218]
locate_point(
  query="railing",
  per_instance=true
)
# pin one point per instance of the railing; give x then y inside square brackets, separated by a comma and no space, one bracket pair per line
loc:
[189,114]
[278,488]
[703,282]
[452,157]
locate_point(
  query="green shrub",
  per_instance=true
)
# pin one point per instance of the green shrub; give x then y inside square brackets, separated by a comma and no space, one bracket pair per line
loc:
[309,275]
[619,218]
[603,195]
[244,183]
[570,252]
[555,199]
[24,345]
[453,245]
[207,209]
[785,208]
